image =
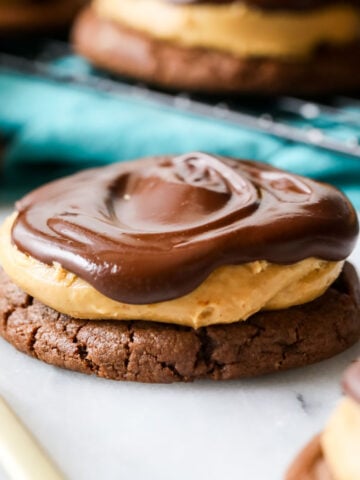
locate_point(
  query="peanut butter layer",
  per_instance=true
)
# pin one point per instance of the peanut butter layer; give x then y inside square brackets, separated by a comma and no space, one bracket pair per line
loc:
[231,293]
[237,28]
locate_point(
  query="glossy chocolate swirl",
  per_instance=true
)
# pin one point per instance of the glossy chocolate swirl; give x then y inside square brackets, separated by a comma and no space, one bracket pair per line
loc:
[153,230]
[351,381]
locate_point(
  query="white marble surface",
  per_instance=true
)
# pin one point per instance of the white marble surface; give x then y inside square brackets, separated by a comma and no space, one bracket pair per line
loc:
[99,429]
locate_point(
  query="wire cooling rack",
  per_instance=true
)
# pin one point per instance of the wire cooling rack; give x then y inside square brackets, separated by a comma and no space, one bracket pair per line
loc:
[315,122]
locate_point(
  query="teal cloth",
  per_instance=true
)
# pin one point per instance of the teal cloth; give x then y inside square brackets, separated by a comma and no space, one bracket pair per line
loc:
[55,129]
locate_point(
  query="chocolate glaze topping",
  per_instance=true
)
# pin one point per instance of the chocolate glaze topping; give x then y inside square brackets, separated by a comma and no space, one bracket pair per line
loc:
[153,230]
[351,381]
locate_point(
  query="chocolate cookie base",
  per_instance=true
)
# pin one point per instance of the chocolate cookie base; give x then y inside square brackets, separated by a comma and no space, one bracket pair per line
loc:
[130,53]
[43,15]
[154,352]
[310,464]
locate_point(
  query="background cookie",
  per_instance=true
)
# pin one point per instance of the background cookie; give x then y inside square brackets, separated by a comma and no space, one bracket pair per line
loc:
[128,52]
[33,15]
[152,352]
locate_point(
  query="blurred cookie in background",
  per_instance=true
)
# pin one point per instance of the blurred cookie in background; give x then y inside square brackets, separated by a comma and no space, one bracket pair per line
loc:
[33,15]
[217,46]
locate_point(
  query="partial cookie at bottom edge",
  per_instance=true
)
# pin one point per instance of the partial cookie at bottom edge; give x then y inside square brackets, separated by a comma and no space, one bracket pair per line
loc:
[310,464]
[127,52]
[154,352]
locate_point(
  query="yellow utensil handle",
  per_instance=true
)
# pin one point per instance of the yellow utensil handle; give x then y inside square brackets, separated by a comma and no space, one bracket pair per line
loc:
[21,456]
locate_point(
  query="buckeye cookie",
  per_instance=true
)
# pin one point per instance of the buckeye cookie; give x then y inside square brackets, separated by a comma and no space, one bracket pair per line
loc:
[176,268]
[33,15]
[226,46]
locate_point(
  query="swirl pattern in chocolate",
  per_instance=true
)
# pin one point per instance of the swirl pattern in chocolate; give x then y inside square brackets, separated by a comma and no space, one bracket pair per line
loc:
[154,229]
